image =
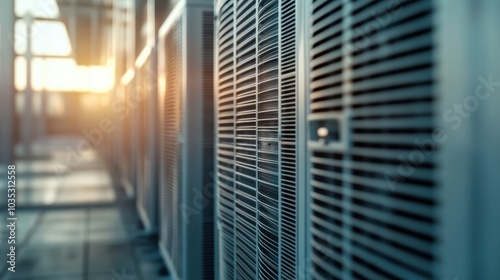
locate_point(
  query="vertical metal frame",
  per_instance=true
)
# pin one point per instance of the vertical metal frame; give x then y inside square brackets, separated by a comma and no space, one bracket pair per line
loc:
[217,226]
[192,135]
[118,147]
[147,62]
[134,134]
[455,176]
[303,155]
[486,38]
[141,97]
[7,92]
[470,156]
[128,179]
[184,138]
[115,94]
[172,18]
[303,164]
[153,139]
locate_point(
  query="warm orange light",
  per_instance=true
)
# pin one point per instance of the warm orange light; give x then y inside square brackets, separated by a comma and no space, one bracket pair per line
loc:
[51,38]
[63,74]
[20,73]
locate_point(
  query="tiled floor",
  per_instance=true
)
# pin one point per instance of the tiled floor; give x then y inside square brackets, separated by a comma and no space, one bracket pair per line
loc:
[75,223]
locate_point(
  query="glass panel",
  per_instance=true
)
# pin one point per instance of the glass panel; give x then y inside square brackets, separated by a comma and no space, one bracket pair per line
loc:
[38,8]
[20,73]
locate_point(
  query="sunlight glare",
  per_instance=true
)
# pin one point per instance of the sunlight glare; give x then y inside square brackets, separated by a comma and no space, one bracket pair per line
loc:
[38,8]
[63,74]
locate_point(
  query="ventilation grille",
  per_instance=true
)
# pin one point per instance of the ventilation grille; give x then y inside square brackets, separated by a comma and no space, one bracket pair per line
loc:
[268,154]
[372,66]
[208,139]
[126,136]
[288,140]
[256,139]
[170,55]
[246,142]
[132,165]
[143,153]
[225,138]
[141,114]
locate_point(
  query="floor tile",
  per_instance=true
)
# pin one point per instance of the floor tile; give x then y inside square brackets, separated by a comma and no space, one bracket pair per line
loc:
[26,222]
[61,195]
[117,274]
[77,179]
[65,216]
[57,237]
[50,261]
[34,182]
[104,257]
[71,244]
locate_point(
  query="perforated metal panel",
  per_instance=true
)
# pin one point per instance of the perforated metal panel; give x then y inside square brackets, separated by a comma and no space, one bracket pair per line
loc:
[170,62]
[142,93]
[288,135]
[124,138]
[208,149]
[130,123]
[371,101]
[147,128]
[186,147]
[225,102]
[138,130]
[256,139]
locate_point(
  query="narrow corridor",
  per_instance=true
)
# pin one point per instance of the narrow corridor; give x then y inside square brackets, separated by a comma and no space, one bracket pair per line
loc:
[73,224]
[249,139]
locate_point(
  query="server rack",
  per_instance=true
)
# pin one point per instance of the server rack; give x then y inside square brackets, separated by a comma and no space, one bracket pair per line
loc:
[371,98]
[123,106]
[370,79]
[118,137]
[258,139]
[122,110]
[186,143]
[393,191]
[117,149]
[146,116]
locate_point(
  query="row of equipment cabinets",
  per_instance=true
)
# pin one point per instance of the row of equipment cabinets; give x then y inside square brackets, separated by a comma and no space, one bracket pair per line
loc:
[318,139]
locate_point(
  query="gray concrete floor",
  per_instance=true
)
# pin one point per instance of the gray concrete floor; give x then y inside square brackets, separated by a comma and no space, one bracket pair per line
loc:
[73,223]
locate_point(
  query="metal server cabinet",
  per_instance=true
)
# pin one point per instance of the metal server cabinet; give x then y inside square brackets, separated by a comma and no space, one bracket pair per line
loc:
[125,142]
[390,183]
[186,143]
[258,139]
[146,115]
[118,136]
[371,97]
